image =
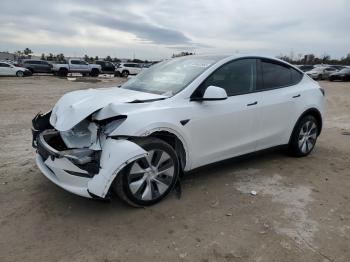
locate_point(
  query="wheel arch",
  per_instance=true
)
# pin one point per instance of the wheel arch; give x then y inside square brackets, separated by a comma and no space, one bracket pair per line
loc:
[313,112]
[175,142]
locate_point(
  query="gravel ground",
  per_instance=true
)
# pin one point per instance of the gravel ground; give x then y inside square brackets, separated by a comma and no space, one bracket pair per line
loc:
[301,211]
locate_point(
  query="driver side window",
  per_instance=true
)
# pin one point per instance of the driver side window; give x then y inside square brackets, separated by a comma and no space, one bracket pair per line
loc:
[236,77]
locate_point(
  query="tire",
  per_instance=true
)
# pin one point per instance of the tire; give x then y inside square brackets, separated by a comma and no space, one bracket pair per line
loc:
[125,73]
[19,74]
[331,79]
[319,77]
[304,136]
[63,72]
[139,184]
[94,72]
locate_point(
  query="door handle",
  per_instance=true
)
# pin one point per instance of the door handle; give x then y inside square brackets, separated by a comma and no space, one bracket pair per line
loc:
[298,95]
[253,104]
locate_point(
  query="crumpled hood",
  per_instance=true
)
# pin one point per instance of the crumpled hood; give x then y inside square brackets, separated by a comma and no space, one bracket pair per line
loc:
[75,106]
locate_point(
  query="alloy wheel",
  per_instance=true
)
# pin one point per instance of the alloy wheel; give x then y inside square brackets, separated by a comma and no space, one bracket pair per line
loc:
[307,137]
[150,177]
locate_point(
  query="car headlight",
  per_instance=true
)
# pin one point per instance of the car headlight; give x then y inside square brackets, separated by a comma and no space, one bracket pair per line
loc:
[110,124]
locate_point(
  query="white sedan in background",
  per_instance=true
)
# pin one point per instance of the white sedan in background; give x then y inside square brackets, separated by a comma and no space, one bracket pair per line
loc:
[176,116]
[8,69]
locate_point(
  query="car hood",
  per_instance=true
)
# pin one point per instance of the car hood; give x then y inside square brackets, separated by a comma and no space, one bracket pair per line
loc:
[20,68]
[76,106]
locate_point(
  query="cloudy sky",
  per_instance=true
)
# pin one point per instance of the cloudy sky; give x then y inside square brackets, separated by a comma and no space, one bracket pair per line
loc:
[153,29]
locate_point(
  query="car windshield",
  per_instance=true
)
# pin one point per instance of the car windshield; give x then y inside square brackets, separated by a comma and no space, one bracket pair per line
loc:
[171,76]
[345,70]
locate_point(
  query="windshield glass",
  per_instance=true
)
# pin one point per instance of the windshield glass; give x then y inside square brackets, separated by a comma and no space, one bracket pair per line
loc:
[171,76]
[345,70]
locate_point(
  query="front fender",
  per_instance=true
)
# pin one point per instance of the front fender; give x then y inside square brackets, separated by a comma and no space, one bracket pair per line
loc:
[116,154]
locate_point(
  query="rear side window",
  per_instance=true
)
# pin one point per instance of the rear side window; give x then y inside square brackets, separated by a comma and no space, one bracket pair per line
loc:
[276,75]
[75,62]
[33,62]
[4,65]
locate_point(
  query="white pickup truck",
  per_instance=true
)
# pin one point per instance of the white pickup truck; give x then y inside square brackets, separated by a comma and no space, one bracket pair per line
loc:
[76,66]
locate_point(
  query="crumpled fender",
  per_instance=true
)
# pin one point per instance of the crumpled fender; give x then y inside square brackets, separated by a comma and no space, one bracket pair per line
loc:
[116,154]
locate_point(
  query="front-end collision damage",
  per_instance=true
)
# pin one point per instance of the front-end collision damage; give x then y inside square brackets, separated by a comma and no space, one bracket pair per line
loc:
[112,162]
[83,160]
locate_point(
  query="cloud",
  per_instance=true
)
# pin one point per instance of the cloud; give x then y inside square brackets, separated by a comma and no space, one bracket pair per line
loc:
[141,29]
[157,28]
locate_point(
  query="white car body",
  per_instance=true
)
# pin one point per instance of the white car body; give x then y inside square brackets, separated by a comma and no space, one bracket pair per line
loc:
[131,68]
[207,131]
[8,69]
[76,66]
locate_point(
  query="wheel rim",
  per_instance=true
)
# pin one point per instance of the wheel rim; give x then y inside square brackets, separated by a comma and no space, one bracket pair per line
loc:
[307,137]
[20,73]
[150,177]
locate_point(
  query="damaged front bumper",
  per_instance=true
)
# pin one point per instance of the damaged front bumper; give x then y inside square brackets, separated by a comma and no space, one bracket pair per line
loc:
[82,171]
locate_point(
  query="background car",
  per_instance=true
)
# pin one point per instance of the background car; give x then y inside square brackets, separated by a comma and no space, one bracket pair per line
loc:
[106,67]
[37,66]
[76,66]
[305,68]
[321,73]
[125,69]
[178,115]
[343,75]
[7,69]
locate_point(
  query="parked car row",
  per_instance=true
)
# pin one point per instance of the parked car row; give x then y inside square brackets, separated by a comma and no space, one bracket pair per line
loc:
[324,72]
[9,69]
[31,66]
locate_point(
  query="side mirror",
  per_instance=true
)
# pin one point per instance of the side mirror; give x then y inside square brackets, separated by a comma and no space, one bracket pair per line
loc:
[212,93]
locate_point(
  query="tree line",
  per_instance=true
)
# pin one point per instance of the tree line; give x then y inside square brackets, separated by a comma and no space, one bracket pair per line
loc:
[311,59]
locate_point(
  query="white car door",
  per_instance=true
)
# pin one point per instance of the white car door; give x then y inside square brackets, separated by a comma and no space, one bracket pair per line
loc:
[277,108]
[226,128]
[6,69]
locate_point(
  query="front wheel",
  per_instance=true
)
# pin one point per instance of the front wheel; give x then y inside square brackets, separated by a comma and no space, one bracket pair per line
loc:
[19,74]
[148,180]
[94,72]
[304,136]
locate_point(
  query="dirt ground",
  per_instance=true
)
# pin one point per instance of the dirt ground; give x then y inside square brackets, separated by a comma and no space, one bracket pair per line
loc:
[301,211]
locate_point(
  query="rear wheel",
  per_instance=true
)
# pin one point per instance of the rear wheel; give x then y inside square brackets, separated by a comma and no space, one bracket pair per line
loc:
[148,180]
[19,74]
[319,77]
[304,136]
[63,72]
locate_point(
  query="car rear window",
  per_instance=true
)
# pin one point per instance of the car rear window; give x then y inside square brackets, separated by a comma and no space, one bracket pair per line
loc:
[276,75]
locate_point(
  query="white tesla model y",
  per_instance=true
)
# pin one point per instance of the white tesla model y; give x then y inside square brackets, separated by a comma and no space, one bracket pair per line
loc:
[178,115]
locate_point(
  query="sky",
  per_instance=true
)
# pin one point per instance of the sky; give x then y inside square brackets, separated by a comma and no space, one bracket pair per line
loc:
[155,29]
